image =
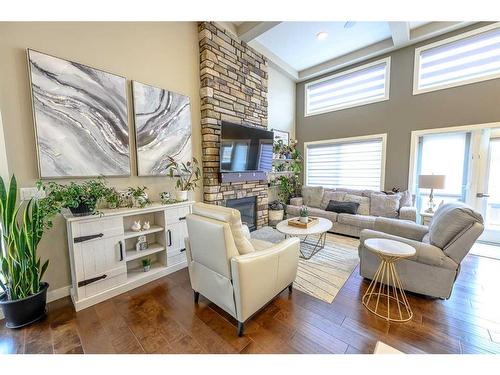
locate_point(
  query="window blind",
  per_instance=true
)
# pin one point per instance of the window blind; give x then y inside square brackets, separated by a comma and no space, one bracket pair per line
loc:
[359,86]
[355,164]
[469,59]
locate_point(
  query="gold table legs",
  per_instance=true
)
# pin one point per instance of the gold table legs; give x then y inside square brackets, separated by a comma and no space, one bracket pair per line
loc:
[378,296]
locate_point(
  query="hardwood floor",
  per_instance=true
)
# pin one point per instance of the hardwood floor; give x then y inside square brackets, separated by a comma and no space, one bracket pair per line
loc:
[161,317]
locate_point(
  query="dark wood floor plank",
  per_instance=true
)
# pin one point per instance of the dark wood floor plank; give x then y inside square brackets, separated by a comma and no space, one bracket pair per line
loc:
[38,338]
[92,333]
[11,340]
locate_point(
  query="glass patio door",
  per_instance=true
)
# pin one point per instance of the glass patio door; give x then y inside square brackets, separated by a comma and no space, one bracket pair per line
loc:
[488,195]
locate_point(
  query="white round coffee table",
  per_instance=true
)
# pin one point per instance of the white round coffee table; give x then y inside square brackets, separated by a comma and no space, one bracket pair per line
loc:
[389,252]
[321,228]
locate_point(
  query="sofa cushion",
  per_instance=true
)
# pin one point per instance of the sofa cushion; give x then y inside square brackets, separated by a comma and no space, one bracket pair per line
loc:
[351,191]
[364,203]
[361,221]
[450,220]
[384,205]
[312,195]
[406,199]
[318,212]
[343,207]
[331,195]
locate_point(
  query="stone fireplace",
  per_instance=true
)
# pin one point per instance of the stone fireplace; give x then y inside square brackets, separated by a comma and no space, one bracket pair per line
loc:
[233,88]
[248,209]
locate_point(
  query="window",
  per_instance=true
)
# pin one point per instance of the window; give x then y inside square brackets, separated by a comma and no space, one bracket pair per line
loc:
[362,85]
[444,154]
[460,60]
[356,163]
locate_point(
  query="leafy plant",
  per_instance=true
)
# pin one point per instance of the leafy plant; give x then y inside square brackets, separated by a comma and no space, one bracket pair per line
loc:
[278,147]
[113,198]
[21,232]
[304,211]
[140,195]
[188,174]
[288,187]
[74,195]
[146,262]
[280,167]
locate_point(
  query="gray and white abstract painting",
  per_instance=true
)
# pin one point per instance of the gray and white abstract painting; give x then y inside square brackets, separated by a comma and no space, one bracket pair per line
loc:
[162,126]
[80,119]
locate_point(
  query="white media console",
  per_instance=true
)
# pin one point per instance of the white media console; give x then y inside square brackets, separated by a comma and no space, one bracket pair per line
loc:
[102,249]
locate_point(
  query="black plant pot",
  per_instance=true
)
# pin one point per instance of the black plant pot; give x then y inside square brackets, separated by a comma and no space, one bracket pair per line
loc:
[21,312]
[81,210]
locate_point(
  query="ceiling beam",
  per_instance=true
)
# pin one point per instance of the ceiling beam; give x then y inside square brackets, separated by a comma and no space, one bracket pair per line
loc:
[400,33]
[417,35]
[248,31]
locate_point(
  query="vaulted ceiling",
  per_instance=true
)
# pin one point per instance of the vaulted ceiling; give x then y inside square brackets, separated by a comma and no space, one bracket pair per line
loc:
[304,50]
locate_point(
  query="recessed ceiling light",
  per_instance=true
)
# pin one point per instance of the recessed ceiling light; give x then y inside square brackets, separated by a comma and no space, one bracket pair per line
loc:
[322,35]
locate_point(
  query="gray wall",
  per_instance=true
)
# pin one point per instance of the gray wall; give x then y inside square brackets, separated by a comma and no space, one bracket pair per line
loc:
[470,104]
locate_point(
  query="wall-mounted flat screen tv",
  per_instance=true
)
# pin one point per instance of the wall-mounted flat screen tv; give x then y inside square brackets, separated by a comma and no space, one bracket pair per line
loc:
[245,148]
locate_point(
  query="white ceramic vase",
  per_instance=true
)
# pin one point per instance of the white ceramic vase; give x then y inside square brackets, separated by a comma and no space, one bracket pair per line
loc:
[181,195]
[304,219]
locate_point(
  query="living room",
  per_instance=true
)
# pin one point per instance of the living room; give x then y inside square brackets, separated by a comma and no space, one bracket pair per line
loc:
[314,185]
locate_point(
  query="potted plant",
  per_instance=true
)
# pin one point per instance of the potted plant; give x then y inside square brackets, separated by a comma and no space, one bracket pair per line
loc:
[139,196]
[113,198]
[80,199]
[188,174]
[304,214]
[276,211]
[23,293]
[146,264]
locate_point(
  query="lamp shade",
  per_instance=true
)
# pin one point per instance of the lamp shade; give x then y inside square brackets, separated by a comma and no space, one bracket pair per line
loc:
[431,181]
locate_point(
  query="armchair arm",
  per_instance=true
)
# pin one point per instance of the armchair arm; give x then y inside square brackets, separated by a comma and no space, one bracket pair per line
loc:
[401,228]
[297,201]
[408,213]
[260,276]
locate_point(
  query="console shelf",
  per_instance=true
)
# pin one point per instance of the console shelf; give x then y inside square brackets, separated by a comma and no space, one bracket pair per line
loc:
[153,249]
[153,229]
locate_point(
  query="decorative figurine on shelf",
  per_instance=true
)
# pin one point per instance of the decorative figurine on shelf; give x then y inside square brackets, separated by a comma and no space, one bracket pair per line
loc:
[136,227]
[146,226]
[142,243]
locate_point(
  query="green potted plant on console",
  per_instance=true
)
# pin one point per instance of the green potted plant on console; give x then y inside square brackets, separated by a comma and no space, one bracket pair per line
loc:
[80,199]
[23,294]
[188,174]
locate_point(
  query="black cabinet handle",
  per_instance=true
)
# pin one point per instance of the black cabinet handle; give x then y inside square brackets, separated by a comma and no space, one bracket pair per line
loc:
[87,238]
[120,243]
[90,281]
[169,237]
[182,218]
[183,250]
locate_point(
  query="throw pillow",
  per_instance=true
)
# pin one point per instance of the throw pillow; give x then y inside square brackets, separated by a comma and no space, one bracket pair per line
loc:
[331,195]
[312,195]
[384,205]
[364,203]
[343,207]
[406,199]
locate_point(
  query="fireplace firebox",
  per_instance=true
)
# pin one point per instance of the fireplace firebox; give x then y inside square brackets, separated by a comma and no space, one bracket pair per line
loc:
[248,209]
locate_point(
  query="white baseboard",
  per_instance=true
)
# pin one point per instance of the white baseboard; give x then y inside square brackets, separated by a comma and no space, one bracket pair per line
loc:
[52,295]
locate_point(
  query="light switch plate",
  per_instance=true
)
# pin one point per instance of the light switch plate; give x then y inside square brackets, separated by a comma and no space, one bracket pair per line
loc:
[31,192]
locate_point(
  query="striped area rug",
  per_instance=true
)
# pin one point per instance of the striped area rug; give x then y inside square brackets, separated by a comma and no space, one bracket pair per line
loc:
[326,272]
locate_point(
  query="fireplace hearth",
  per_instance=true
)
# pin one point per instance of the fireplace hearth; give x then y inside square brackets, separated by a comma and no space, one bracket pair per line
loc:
[248,209]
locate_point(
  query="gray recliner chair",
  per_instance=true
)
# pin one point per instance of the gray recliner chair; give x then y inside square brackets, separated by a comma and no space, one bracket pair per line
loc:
[440,248]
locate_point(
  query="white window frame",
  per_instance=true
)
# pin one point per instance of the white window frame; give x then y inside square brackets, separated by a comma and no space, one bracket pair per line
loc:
[352,140]
[419,50]
[387,60]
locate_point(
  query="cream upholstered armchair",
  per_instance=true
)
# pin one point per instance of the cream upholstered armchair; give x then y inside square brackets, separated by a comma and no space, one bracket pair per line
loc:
[238,274]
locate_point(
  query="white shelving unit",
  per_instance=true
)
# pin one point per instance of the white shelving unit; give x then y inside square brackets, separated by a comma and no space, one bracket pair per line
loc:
[103,255]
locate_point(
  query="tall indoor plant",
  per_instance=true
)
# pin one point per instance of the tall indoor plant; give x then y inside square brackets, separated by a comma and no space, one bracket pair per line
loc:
[188,174]
[23,293]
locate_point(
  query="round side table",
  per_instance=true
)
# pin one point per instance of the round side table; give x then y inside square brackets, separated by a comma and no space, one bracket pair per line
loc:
[378,296]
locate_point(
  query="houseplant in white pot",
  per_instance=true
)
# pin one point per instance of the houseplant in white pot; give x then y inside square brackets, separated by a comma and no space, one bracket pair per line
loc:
[23,294]
[304,214]
[276,211]
[188,174]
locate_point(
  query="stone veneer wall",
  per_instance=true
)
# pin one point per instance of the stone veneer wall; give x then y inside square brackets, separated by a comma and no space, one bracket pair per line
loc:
[234,89]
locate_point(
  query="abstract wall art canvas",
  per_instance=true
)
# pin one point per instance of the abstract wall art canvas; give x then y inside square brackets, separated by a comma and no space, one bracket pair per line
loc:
[81,119]
[162,128]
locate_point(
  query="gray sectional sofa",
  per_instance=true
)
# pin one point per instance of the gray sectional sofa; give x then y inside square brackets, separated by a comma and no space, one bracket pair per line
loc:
[373,204]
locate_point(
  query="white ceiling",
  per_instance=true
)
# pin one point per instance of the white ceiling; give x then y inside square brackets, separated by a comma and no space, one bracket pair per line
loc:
[293,47]
[296,42]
